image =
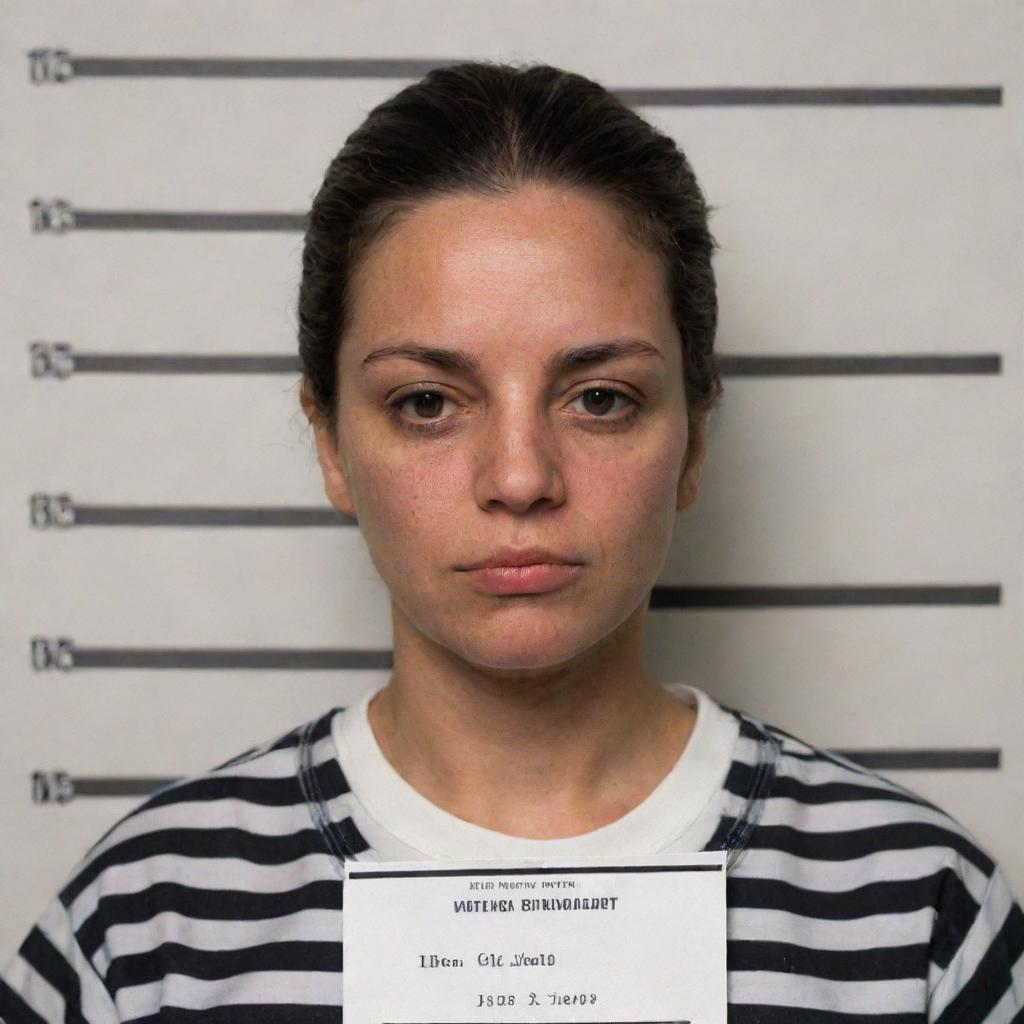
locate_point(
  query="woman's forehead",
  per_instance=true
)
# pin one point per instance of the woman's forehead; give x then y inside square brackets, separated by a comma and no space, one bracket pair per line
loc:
[547,221]
[551,264]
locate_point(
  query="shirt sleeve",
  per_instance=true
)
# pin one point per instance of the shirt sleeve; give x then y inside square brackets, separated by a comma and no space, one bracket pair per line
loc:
[983,983]
[49,979]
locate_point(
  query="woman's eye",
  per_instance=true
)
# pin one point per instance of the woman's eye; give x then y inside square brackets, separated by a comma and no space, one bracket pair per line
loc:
[605,401]
[425,401]
[428,403]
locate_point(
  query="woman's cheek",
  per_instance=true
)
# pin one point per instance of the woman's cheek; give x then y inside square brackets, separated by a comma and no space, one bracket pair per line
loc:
[412,495]
[653,485]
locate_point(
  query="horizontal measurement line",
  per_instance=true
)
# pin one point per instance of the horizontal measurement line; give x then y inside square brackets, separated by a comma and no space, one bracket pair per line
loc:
[96,785]
[255,67]
[850,365]
[411,67]
[902,760]
[198,515]
[229,658]
[170,363]
[728,365]
[823,597]
[177,220]
[871,96]
[68,655]
[187,220]
[65,654]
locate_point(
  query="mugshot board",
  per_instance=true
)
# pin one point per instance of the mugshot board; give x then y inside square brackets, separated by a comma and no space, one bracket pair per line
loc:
[177,588]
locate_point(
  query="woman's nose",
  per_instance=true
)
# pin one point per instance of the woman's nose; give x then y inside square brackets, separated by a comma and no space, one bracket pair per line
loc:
[519,461]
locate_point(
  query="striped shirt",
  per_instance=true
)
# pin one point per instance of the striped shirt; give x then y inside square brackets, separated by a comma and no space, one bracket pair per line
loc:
[219,898]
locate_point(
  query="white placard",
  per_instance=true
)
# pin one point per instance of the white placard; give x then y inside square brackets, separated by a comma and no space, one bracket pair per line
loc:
[636,939]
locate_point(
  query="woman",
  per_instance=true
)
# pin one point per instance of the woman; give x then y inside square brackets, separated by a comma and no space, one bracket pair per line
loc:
[507,317]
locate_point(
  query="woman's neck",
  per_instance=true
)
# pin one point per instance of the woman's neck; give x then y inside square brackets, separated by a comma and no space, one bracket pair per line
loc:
[543,758]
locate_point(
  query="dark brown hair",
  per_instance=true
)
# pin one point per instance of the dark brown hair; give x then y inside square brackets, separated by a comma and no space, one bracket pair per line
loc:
[488,127]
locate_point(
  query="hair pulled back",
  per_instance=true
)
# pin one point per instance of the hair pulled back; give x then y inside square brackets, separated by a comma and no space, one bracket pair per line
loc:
[489,127]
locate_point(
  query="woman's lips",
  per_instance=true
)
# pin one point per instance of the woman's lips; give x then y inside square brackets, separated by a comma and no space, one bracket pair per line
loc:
[539,578]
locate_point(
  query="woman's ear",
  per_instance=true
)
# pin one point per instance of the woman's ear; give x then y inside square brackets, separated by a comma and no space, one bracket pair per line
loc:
[696,449]
[329,456]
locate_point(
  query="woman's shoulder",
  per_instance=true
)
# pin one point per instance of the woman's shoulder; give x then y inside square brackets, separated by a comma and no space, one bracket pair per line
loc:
[252,807]
[838,841]
[204,859]
[824,806]
[848,870]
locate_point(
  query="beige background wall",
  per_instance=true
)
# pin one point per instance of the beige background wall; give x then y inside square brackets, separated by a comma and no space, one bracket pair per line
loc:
[876,228]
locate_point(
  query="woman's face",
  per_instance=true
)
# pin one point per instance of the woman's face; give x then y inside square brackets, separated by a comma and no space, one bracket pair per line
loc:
[512,445]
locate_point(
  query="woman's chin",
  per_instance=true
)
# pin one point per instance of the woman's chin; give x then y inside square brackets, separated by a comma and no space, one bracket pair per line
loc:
[518,653]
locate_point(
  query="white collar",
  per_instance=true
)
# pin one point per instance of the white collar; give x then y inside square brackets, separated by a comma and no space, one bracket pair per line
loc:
[677,810]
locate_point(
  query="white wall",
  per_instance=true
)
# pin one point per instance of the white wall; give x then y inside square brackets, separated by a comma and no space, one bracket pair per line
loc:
[845,229]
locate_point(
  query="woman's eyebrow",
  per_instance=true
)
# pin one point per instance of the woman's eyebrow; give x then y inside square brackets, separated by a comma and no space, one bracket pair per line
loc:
[557,362]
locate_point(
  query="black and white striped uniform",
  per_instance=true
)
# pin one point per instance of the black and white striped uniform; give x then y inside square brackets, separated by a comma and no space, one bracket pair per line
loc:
[219,898]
